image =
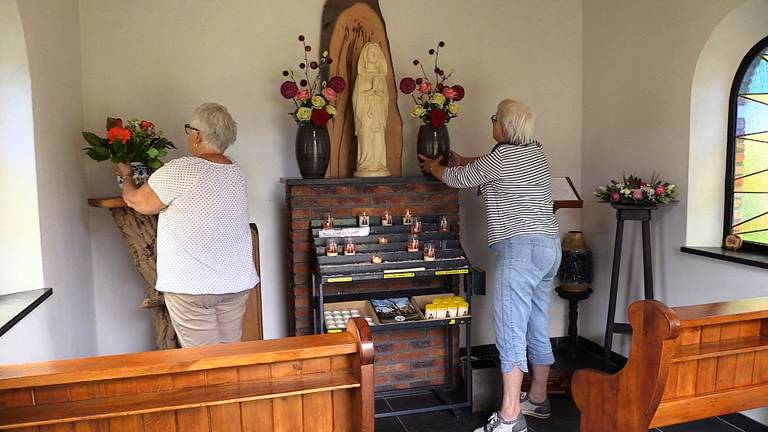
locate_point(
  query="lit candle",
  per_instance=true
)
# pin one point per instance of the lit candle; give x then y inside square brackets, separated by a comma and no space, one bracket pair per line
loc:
[386,219]
[349,247]
[376,259]
[328,222]
[443,224]
[331,248]
[363,220]
[416,226]
[407,217]
[383,240]
[413,243]
[429,252]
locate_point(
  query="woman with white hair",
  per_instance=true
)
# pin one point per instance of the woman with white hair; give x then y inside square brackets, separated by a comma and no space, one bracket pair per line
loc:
[204,250]
[514,180]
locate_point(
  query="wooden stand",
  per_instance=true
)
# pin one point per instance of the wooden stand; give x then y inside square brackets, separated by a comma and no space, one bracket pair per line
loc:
[624,213]
[573,297]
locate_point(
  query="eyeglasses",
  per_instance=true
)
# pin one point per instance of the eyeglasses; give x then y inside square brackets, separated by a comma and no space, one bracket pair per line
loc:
[493,118]
[188,129]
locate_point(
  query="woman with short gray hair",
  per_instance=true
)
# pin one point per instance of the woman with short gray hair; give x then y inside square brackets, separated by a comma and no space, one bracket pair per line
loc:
[514,180]
[204,250]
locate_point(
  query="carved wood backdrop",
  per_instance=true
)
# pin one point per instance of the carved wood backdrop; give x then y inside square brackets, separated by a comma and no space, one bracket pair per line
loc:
[347,25]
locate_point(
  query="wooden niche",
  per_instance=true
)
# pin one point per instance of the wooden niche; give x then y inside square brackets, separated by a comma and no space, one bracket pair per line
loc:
[347,26]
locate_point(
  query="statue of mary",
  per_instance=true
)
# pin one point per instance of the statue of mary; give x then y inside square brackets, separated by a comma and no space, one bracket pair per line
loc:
[371,104]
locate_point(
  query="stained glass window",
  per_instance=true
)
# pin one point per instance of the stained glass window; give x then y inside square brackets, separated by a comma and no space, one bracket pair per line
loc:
[748,152]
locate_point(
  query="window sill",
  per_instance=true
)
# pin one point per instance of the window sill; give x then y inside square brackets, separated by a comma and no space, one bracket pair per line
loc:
[15,306]
[739,257]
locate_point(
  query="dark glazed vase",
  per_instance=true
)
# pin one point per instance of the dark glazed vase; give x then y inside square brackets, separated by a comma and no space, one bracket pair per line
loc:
[433,142]
[576,268]
[313,151]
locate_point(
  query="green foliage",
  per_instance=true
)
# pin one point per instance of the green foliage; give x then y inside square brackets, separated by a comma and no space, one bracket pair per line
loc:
[137,141]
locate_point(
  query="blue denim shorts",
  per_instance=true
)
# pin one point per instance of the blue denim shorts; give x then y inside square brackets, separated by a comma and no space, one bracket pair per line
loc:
[525,267]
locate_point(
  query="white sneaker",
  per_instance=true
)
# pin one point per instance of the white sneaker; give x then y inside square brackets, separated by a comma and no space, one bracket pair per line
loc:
[497,424]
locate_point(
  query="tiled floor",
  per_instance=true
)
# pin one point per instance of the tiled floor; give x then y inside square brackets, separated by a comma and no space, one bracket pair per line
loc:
[565,417]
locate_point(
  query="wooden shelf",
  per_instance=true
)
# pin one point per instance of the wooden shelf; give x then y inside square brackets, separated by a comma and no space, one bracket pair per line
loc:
[723,312]
[108,203]
[175,399]
[720,348]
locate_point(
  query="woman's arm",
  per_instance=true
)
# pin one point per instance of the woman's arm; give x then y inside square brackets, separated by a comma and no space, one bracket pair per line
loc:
[481,170]
[142,199]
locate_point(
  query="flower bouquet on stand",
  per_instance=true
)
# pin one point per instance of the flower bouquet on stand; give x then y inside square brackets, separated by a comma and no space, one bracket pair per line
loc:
[136,141]
[634,191]
[436,103]
[312,98]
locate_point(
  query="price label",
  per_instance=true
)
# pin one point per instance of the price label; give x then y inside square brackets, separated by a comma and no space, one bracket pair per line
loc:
[334,331]
[451,272]
[340,279]
[399,275]
[452,321]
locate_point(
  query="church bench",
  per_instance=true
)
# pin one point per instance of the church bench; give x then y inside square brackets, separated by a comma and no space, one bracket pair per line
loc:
[306,383]
[686,363]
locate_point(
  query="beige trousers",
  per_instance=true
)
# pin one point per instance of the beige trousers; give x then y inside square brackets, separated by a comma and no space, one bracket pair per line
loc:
[207,319]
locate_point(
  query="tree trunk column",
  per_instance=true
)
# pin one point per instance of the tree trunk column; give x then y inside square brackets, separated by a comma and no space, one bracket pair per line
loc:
[140,233]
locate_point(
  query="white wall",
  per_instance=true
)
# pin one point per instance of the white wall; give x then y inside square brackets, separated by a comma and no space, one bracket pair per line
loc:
[639,69]
[20,254]
[185,53]
[63,326]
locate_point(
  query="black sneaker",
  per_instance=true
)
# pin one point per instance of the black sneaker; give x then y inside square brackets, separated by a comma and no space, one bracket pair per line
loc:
[533,409]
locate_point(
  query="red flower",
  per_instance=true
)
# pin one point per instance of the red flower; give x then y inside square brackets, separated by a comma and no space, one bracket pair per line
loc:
[146,124]
[288,89]
[459,92]
[437,117]
[407,85]
[118,133]
[337,83]
[114,121]
[320,117]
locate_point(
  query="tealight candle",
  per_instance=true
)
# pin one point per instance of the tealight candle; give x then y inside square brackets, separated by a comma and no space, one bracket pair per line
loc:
[376,259]
[331,248]
[407,217]
[429,252]
[416,226]
[363,220]
[413,243]
[386,219]
[328,222]
[383,240]
[443,225]
[349,247]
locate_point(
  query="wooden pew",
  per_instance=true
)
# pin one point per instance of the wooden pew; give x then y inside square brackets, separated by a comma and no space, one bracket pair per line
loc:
[685,364]
[306,383]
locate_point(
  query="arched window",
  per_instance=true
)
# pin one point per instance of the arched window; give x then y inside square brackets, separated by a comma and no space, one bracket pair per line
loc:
[746,185]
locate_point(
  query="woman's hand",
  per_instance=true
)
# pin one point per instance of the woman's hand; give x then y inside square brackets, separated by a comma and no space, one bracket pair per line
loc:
[123,169]
[428,165]
[455,159]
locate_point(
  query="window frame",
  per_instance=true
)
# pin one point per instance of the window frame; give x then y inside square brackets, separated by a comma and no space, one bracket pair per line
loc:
[730,157]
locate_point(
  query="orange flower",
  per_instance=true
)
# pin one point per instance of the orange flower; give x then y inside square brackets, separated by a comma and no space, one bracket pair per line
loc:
[118,133]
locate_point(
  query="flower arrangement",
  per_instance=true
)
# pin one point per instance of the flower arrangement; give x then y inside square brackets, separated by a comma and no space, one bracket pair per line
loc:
[312,96]
[435,104]
[633,190]
[132,141]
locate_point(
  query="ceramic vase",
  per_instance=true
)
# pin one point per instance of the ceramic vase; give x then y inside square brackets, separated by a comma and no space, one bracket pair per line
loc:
[434,141]
[576,267]
[313,151]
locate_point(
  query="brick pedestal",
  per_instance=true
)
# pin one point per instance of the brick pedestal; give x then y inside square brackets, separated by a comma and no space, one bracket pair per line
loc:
[406,358]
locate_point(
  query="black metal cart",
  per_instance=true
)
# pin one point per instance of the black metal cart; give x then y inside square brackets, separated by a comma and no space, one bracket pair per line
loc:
[399,264]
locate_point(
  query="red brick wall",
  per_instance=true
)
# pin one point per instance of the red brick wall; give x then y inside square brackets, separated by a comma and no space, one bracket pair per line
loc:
[403,358]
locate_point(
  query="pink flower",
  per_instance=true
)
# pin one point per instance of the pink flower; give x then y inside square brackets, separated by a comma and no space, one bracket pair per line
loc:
[459,92]
[337,83]
[615,197]
[425,87]
[637,193]
[660,190]
[329,93]
[449,92]
[302,95]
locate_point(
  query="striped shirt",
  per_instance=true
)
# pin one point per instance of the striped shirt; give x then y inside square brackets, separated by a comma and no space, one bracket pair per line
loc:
[514,180]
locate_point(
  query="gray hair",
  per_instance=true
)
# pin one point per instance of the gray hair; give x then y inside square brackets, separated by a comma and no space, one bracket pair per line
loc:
[217,127]
[517,119]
